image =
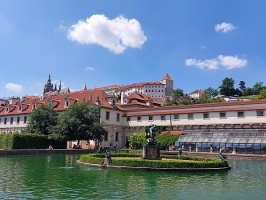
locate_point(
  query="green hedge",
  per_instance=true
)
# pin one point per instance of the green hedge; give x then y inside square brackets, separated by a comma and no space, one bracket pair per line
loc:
[6,141]
[28,141]
[134,160]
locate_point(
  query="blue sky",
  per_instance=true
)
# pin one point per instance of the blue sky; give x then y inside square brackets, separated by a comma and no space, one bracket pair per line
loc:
[100,43]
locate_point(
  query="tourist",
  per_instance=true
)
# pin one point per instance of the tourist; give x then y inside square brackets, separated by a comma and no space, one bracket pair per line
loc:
[180,151]
[190,148]
[234,150]
[211,149]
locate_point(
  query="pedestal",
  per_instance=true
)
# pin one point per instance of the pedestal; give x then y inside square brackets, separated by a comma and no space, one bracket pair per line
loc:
[151,152]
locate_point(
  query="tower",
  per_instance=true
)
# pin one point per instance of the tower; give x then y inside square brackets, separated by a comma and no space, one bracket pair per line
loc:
[169,85]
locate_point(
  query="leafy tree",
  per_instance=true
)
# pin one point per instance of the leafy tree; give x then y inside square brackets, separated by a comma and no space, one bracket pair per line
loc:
[80,122]
[262,94]
[257,88]
[41,120]
[168,102]
[227,87]
[211,92]
[166,140]
[248,92]
[203,98]
[177,94]
[242,85]
[137,140]
[238,92]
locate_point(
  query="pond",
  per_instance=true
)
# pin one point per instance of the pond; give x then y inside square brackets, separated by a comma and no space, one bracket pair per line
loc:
[58,177]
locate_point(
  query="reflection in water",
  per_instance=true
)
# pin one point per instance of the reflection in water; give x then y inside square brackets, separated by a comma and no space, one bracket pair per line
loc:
[58,177]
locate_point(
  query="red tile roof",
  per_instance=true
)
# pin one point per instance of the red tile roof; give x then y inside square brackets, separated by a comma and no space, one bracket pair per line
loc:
[166,77]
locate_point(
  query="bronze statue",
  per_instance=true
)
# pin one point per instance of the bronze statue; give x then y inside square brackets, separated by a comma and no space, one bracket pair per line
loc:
[150,136]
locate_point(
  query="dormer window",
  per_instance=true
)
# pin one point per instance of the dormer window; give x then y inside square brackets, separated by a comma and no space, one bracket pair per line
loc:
[113,102]
[7,110]
[67,104]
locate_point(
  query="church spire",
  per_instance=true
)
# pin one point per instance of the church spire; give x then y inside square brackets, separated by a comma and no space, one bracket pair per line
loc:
[59,86]
[84,86]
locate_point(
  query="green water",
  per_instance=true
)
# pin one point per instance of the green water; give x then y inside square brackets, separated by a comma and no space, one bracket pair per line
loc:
[58,177]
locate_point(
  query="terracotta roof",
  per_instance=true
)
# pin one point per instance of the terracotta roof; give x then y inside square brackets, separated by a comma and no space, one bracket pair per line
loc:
[200,108]
[166,77]
[57,101]
[196,92]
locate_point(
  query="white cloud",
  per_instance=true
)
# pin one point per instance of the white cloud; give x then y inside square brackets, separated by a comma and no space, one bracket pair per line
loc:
[224,27]
[228,62]
[114,34]
[231,62]
[209,64]
[89,68]
[14,87]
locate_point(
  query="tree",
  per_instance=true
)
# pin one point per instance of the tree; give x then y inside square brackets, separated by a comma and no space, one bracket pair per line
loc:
[262,94]
[248,92]
[227,87]
[166,140]
[257,88]
[177,94]
[137,140]
[168,102]
[80,122]
[41,120]
[211,92]
[203,98]
[242,85]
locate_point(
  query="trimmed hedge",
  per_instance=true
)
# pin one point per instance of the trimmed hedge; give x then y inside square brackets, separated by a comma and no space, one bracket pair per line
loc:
[28,141]
[134,160]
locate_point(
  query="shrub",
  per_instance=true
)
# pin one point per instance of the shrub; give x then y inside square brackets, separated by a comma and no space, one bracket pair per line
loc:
[27,141]
[134,160]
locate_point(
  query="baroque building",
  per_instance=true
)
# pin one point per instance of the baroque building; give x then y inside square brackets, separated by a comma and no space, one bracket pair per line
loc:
[238,124]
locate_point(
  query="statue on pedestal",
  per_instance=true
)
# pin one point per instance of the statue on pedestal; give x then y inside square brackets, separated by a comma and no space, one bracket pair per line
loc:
[150,136]
[151,150]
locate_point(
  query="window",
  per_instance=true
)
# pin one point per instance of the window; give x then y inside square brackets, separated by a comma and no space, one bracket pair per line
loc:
[162,117]
[18,120]
[106,136]
[150,118]
[5,120]
[222,115]
[116,136]
[25,119]
[138,118]
[176,116]
[260,113]
[117,117]
[0,120]
[206,116]
[11,120]
[128,119]
[190,116]
[107,116]
[240,114]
